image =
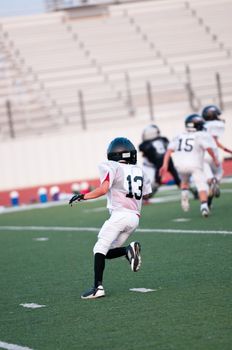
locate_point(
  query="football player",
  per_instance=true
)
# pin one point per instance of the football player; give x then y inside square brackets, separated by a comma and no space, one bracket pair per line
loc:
[215,127]
[125,185]
[189,148]
[153,148]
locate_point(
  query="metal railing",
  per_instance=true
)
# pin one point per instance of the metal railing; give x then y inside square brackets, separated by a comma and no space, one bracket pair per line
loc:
[83,117]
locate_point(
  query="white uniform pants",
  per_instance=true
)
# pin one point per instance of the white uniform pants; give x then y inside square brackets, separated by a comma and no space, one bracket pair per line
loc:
[198,177]
[115,231]
[212,171]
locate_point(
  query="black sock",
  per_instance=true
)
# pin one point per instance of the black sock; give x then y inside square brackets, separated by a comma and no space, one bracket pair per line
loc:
[116,253]
[210,200]
[99,265]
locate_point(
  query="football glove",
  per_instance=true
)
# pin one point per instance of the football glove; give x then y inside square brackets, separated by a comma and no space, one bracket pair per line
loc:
[76,198]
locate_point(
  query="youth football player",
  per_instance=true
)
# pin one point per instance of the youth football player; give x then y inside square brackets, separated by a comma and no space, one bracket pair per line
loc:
[125,185]
[190,147]
[215,127]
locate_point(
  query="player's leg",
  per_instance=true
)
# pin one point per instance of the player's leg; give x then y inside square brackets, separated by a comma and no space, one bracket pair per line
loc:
[213,175]
[174,173]
[209,177]
[132,251]
[106,237]
[184,191]
[215,184]
[156,182]
[193,189]
[200,180]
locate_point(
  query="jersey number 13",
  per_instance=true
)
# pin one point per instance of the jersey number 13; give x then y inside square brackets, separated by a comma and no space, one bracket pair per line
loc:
[135,187]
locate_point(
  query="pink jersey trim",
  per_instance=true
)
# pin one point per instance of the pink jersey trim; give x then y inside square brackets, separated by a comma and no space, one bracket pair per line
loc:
[107,178]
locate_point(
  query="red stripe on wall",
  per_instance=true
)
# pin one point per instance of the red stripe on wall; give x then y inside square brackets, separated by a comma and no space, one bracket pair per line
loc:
[30,195]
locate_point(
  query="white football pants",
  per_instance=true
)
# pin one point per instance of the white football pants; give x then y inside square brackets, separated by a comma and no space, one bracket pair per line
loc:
[115,231]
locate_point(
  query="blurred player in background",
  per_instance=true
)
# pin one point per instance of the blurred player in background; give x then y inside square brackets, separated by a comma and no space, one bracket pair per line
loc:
[125,185]
[189,148]
[215,126]
[153,148]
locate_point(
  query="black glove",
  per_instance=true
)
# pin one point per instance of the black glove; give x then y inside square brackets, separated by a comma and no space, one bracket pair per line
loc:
[76,198]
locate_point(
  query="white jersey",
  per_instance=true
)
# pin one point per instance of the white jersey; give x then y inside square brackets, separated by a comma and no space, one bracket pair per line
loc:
[189,148]
[215,128]
[128,185]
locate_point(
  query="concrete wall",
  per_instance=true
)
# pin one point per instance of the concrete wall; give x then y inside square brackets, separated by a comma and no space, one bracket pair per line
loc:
[74,155]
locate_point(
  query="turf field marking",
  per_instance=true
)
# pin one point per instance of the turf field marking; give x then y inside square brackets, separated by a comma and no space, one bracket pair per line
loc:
[181,220]
[205,232]
[142,290]
[8,346]
[41,239]
[32,305]
[96,229]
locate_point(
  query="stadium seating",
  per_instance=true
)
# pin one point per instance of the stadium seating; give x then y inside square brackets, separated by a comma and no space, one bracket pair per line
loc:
[61,70]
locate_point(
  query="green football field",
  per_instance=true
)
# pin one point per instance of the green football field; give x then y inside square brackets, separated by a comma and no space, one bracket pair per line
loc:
[182,297]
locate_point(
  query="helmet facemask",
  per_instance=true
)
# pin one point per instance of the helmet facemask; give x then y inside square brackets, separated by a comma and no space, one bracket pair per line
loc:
[122,150]
[194,122]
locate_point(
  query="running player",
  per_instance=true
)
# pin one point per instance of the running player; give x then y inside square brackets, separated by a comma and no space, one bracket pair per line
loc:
[125,185]
[215,126]
[190,147]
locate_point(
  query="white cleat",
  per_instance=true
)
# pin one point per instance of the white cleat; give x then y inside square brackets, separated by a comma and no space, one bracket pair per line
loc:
[205,213]
[205,210]
[94,293]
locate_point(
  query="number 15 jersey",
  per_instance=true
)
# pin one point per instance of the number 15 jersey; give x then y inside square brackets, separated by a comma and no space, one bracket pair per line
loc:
[128,185]
[189,148]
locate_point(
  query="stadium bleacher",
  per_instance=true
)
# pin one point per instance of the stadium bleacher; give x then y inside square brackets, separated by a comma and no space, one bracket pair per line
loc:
[49,62]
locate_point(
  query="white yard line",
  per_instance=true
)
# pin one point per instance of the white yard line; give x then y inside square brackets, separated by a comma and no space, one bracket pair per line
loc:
[96,229]
[32,305]
[8,346]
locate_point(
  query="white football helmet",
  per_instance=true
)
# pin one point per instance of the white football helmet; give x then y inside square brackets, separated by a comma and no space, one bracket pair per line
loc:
[150,132]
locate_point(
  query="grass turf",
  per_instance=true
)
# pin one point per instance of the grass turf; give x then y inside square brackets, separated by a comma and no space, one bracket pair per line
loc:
[191,273]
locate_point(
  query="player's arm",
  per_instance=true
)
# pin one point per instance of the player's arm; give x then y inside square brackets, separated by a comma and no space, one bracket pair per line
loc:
[97,192]
[164,167]
[212,154]
[220,145]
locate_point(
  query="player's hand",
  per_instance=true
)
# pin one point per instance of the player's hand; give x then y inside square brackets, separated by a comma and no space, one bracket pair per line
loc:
[163,170]
[76,198]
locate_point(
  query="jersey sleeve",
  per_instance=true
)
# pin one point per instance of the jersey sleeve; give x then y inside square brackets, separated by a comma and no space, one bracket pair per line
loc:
[206,140]
[147,189]
[173,144]
[215,128]
[107,172]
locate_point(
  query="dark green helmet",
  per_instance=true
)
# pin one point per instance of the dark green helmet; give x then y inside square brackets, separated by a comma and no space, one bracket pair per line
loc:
[122,149]
[194,122]
[211,113]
